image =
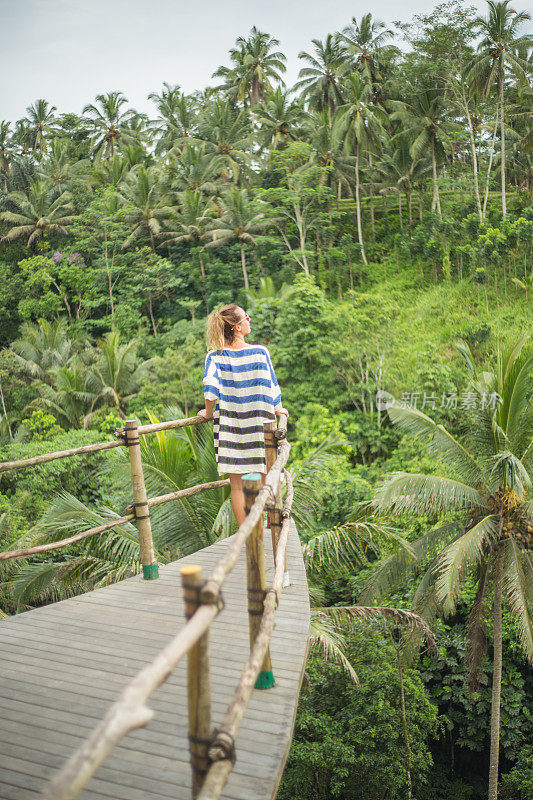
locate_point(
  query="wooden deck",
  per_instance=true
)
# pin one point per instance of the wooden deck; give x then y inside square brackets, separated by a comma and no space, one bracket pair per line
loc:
[61,667]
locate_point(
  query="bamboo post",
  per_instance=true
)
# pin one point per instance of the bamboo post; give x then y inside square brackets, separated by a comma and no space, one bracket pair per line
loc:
[140,501]
[198,685]
[271,452]
[274,511]
[256,577]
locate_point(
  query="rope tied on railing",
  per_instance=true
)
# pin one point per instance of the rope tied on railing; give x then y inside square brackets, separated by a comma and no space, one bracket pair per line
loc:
[194,594]
[222,747]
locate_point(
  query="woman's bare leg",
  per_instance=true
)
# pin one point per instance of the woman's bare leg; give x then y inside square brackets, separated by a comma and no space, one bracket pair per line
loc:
[237,496]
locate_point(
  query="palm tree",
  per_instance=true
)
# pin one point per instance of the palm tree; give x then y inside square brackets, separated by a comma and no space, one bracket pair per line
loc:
[240,220]
[148,207]
[279,120]
[110,173]
[6,150]
[260,66]
[194,168]
[43,347]
[116,376]
[423,121]
[193,221]
[328,150]
[110,124]
[255,68]
[58,169]
[497,53]
[399,171]
[364,41]
[39,122]
[321,81]
[361,124]
[177,117]
[67,395]
[37,213]
[490,511]
[227,134]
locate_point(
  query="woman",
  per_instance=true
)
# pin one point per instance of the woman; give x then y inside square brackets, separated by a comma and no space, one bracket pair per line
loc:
[241,393]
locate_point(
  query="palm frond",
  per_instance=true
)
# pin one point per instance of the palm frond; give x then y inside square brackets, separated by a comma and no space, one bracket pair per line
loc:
[518,589]
[476,638]
[438,442]
[325,638]
[464,552]
[404,492]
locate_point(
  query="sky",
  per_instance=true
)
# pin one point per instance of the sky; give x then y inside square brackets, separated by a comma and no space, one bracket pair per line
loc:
[68,51]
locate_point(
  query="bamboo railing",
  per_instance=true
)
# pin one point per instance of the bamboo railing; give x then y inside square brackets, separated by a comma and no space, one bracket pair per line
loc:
[212,753]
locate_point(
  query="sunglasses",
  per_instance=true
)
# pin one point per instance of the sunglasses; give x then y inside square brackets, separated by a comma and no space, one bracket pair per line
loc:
[246,317]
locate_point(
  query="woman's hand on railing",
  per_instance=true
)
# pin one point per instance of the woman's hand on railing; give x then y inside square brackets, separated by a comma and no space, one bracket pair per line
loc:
[205,414]
[282,411]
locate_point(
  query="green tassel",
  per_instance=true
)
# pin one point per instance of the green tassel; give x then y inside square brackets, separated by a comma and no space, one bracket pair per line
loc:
[265,680]
[150,571]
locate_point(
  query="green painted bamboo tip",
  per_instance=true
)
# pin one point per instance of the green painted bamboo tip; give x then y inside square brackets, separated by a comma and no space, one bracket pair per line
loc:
[150,571]
[252,476]
[265,680]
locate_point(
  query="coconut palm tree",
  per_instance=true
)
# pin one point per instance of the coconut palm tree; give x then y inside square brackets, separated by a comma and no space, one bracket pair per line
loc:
[194,168]
[39,122]
[488,502]
[256,67]
[240,220]
[6,150]
[38,213]
[226,134]
[399,171]
[58,169]
[116,374]
[361,124]
[424,121]
[44,346]
[147,206]
[110,173]
[110,123]
[67,395]
[192,222]
[363,41]
[328,151]
[260,66]
[321,82]
[280,120]
[497,54]
[177,118]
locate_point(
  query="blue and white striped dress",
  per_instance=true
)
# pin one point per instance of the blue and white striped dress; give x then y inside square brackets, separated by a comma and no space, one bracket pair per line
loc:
[246,390]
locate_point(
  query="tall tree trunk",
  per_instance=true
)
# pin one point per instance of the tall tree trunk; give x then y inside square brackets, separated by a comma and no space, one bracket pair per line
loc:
[485,199]
[502,137]
[358,206]
[474,152]
[496,679]
[151,308]
[202,269]
[5,412]
[436,199]
[404,726]
[243,263]
[255,90]
[372,221]
[400,213]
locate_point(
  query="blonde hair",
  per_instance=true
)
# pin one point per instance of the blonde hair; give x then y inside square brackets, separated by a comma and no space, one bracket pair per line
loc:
[221,326]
